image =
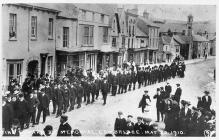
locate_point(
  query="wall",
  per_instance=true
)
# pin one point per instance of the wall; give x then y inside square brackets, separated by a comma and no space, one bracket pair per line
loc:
[25,48]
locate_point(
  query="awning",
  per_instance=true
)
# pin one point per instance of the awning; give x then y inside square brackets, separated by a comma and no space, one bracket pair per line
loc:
[140,49]
[70,52]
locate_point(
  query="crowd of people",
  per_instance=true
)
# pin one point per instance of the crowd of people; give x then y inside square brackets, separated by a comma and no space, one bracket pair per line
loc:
[26,103]
[179,118]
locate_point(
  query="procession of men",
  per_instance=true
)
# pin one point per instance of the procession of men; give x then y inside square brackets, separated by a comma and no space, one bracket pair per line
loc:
[26,103]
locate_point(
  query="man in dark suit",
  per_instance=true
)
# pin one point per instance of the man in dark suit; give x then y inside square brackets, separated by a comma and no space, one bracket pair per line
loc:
[185,116]
[105,90]
[168,89]
[72,96]
[22,110]
[60,100]
[159,105]
[5,115]
[178,93]
[33,103]
[120,125]
[10,105]
[64,127]
[43,106]
[66,94]
[206,101]
[48,92]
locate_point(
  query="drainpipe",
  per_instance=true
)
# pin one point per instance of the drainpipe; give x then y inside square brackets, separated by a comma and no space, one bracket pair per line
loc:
[28,31]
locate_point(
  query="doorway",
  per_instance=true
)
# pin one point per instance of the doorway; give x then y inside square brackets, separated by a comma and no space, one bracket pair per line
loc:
[33,67]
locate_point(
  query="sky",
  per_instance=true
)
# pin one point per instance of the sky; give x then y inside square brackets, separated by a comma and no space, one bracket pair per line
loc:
[178,12]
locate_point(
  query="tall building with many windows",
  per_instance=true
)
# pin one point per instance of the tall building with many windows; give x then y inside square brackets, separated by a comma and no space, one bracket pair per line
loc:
[28,43]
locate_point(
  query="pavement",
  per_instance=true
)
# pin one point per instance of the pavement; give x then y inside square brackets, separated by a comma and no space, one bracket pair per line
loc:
[97,120]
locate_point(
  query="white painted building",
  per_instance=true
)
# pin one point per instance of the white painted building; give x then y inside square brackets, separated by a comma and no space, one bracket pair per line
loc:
[28,43]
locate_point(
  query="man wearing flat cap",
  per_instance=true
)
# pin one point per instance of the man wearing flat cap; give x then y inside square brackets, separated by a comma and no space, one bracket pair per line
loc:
[129,126]
[206,100]
[178,93]
[147,128]
[64,127]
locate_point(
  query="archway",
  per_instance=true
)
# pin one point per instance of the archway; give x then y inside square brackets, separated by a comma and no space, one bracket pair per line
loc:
[33,67]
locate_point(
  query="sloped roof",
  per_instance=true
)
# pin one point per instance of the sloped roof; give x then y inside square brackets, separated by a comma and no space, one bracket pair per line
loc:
[148,22]
[92,7]
[142,26]
[209,26]
[182,39]
[141,33]
[199,38]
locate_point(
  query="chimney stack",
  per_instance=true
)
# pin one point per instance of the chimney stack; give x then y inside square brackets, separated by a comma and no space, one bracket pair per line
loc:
[145,14]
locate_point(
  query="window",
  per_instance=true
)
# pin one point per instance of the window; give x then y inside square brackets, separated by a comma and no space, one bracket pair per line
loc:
[33,27]
[177,48]
[93,16]
[123,26]
[65,36]
[114,42]
[102,18]
[123,42]
[13,26]
[14,70]
[88,35]
[83,14]
[133,30]
[105,35]
[50,28]
[130,30]
[114,25]
[49,64]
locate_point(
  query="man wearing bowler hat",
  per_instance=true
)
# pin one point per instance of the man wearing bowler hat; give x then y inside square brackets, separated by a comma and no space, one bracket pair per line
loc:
[206,100]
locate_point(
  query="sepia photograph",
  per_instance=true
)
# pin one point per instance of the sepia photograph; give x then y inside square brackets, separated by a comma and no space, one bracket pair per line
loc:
[108,69]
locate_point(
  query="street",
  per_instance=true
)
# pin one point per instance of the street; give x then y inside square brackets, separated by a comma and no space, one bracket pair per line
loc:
[97,120]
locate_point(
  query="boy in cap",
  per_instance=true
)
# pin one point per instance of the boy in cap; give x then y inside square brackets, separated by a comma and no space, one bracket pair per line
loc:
[138,127]
[14,130]
[129,126]
[48,130]
[120,125]
[155,131]
[143,103]
[64,127]
[147,128]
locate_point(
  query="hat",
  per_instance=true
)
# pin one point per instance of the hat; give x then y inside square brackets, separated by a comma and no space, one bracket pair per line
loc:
[139,118]
[21,95]
[146,91]
[15,122]
[158,89]
[199,97]
[130,116]
[195,108]
[48,127]
[16,92]
[120,113]
[64,117]
[147,119]
[178,84]
[154,125]
[161,88]
[183,102]
[206,92]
